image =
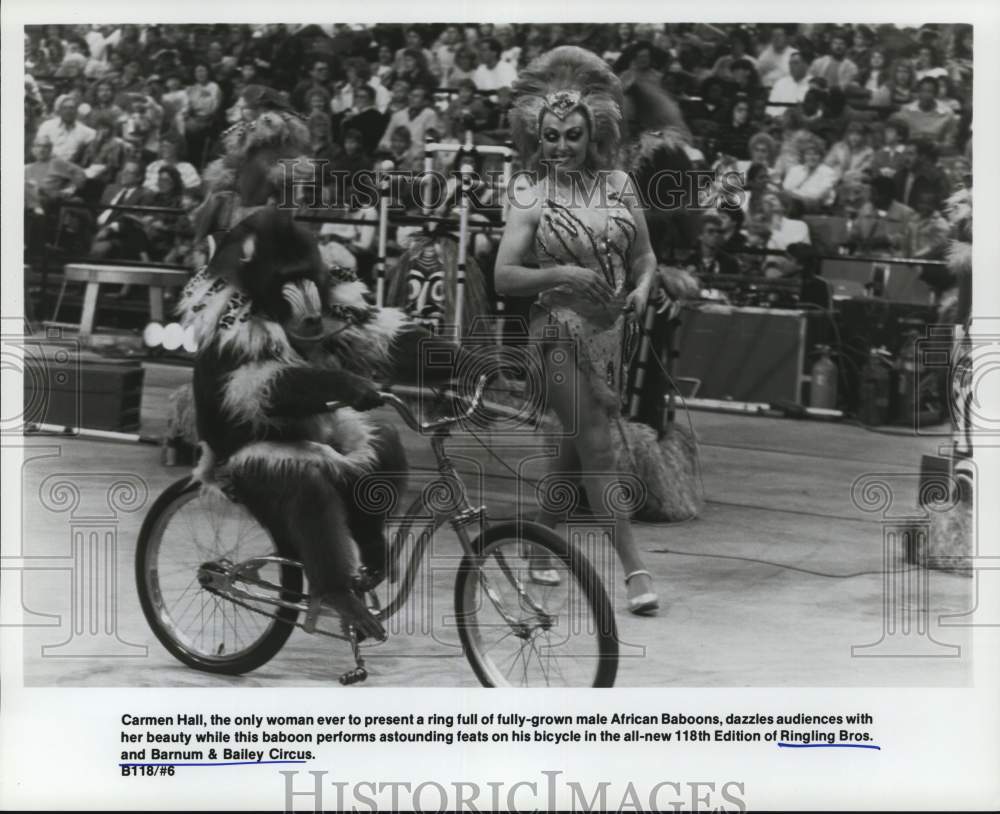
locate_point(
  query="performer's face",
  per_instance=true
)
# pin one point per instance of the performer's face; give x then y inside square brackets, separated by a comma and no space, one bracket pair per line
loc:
[565,141]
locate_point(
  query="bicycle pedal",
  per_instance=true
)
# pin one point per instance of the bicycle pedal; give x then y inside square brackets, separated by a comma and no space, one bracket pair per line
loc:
[355,676]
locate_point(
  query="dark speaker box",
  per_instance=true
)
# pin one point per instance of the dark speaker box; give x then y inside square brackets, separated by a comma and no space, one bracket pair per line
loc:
[750,354]
[88,394]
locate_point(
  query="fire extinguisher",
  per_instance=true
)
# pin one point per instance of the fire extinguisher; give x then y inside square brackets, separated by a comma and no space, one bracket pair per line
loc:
[906,381]
[823,378]
[873,404]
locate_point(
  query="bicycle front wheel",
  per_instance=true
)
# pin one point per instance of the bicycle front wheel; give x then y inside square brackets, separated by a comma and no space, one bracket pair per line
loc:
[191,537]
[517,632]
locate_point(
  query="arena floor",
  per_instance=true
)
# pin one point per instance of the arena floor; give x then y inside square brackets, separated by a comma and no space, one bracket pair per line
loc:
[775,582]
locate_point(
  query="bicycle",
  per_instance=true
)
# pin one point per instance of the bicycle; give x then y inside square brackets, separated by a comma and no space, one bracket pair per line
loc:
[207,608]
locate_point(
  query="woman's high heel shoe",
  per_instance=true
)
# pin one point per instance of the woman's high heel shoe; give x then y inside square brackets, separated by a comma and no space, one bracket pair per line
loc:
[643,604]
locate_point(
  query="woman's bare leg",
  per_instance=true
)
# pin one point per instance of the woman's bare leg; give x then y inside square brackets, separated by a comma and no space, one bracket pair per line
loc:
[567,465]
[590,430]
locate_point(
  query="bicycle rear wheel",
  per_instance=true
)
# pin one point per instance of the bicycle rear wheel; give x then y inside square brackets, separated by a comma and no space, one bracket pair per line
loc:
[519,633]
[190,540]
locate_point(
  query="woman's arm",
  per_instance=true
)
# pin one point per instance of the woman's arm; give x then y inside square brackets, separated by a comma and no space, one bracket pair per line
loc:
[512,277]
[515,279]
[642,260]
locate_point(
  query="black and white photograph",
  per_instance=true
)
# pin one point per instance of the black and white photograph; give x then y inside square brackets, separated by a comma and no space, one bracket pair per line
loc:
[414,358]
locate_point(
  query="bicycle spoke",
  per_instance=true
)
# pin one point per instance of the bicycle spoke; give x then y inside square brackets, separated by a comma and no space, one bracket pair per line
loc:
[206,530]
[519,632]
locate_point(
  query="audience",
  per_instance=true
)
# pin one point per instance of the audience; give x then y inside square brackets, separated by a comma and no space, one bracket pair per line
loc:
[870,124]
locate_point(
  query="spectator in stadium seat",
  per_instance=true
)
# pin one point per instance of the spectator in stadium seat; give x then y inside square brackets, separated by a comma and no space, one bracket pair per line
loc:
[170,149]
[444,50]
[792,87]
[131,81]
[784,231]
[365,118]
[353,159]
[511,50]
[928,117]
[103,157]
[927,234]
[902,83]
[758,183]
[888,158]
[744,78]
[321,146]
[834,116]
[466,111]
[360,75]
[141,127]
[861,49]
[882,222]
[161,228]
[418,118]
[401,150]
[926,63]
[175,103]
[773,61]
[920,171]
[493,73]
[733,136]
[762,149]
[871,85]
[120,234]
[318,80]
[385,64]
[739,47]
[399,98]
[959,61]
[810,181]
[466,64]
[712,104]
[49,178]
[103,105]
[836,68]
[852,157]
[67,136]
[733,240]
[414,43]
[794,136]
[204,100]
[709,259]
[415,70]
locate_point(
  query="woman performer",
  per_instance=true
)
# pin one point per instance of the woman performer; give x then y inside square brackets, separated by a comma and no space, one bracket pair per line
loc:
[578,223]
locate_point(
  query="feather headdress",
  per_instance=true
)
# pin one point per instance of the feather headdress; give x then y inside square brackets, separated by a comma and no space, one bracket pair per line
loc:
[561,81]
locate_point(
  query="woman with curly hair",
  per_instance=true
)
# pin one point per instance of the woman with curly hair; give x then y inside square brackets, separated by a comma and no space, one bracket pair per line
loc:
[871,85]
[902,86]
[810,181]
[577,242]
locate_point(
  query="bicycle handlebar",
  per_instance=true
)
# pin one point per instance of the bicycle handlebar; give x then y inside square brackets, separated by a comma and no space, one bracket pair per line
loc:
[410,418]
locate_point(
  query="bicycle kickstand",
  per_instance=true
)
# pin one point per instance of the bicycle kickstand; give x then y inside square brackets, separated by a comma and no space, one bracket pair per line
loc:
[359,673]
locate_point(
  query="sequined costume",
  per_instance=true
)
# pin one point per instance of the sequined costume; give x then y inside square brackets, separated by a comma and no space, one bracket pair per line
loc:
[601,238]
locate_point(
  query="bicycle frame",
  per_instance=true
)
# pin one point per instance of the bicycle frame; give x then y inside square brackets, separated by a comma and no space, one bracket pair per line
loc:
[461,515]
